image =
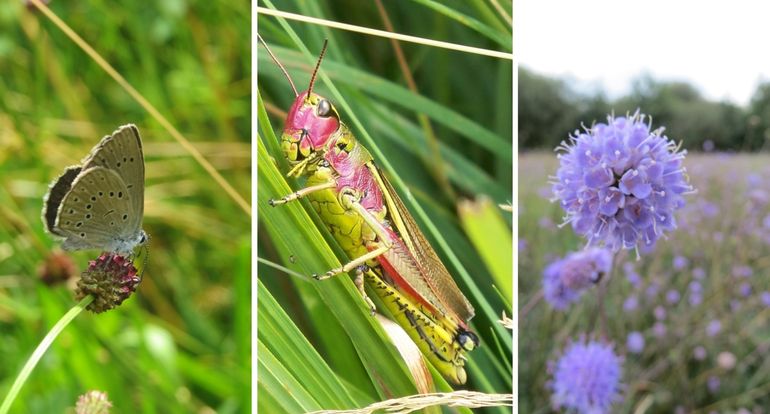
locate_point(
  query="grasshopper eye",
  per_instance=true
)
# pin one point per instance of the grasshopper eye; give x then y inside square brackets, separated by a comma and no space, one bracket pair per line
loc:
[324,108]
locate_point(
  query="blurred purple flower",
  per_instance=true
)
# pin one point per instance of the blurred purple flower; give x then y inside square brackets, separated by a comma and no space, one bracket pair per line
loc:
[659,329]
[698,273]
[709,209]
[522,244]
[545,223]
[696,298]
[713,384]
[699,353]
[631,303]
[659,312]
[545,192]
[758,198]
[634,279]
[653,289]
[742,271]
[565,279]
[745,289]
[765,297]
[680,262]
[766,222]
[708,145]
[672,296]
[635,342]
[620,183]
[713,328]
[735,305]
[586,378]
[695,287]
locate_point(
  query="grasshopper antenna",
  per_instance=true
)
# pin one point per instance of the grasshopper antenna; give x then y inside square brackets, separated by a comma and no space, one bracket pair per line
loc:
[317,65]
[283,69]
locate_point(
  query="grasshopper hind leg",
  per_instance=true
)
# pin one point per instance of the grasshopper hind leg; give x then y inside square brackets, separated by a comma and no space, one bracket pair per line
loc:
[359,281]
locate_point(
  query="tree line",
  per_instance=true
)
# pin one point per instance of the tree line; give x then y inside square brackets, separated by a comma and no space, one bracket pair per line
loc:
[549,110]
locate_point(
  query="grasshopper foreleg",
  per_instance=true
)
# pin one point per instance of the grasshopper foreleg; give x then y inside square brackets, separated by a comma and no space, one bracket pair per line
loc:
[302,193]
[353,263]
[385,243]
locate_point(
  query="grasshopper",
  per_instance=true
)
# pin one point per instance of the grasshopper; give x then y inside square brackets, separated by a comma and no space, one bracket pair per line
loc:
[370,222]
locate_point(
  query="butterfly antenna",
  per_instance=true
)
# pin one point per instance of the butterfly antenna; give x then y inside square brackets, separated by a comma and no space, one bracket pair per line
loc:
[317,65]
[283,69]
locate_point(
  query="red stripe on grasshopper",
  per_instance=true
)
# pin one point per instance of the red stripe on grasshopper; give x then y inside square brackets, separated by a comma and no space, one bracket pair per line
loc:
[398,280]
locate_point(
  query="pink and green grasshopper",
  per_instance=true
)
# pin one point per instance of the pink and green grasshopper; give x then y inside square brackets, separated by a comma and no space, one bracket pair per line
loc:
[370,222]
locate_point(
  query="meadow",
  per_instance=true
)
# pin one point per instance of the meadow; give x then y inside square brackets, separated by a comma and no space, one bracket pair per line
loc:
[182,342]
[699,300]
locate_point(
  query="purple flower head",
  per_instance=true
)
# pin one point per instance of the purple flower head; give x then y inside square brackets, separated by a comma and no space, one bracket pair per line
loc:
[696,298]
[698,273]
[713,328]
[713,384]
[765,298]
[631,303]
[709,209]
[659,312]
[699,353]
[652,289]
[672,296]
[566,279]
[742,271]
[745,289]
[659,329]
[586,379]
[110,279]
[634,279]
[680,262]
[620,183]
[635,342]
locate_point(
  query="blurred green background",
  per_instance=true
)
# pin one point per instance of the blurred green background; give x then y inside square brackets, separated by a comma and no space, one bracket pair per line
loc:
[182,342]
[317,345]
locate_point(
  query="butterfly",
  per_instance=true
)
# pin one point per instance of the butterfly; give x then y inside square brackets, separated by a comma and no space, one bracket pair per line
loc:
[100,203]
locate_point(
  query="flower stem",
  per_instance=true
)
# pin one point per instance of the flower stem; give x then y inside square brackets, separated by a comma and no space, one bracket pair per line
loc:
[40,350]
[530,305]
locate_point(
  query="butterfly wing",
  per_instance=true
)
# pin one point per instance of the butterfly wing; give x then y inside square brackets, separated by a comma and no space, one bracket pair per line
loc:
[95,212]
[56,194]
[121,152]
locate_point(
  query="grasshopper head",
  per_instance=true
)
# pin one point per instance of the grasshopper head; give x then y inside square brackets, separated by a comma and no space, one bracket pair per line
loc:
[311,122]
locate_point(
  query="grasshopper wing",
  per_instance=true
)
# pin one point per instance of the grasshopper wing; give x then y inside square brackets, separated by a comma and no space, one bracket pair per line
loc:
[443,288]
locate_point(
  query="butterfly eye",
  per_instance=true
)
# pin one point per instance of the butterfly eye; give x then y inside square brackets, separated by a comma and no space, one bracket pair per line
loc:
[324,108]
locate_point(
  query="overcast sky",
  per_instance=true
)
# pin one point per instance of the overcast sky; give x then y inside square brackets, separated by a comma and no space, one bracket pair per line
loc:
[722,48]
